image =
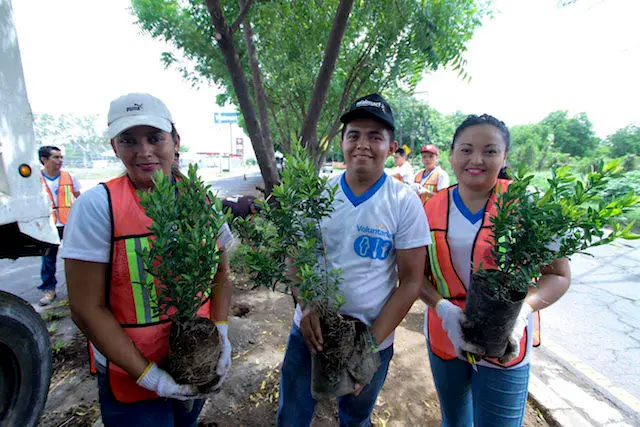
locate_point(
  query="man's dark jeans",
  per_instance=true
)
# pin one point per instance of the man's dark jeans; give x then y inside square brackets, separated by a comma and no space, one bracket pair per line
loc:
[48,271]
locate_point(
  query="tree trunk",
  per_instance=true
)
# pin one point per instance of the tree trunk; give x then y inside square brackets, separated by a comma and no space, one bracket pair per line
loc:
[332,49]
[258,86]
[263,150]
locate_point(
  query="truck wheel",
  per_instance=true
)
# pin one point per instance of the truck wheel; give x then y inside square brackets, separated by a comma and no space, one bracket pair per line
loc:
[25,362]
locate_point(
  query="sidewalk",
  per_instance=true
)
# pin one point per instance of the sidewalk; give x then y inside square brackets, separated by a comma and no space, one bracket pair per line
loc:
[570,393]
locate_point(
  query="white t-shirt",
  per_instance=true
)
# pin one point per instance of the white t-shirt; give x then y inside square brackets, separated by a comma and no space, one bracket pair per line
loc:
[443,178]
[54,185]
[362,236]
[405,171]
[463,228]
[87,235]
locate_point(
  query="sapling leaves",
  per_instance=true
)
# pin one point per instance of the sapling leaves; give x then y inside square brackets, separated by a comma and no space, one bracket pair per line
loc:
[288,231]
[184,257]
[533,227]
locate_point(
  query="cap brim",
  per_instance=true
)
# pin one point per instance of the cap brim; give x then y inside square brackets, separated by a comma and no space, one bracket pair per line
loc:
[361,113]
[124,123]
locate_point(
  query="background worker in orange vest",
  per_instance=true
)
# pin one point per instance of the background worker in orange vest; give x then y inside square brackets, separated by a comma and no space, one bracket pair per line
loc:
[62,189]
[432,178]
[107,228]
[493,392]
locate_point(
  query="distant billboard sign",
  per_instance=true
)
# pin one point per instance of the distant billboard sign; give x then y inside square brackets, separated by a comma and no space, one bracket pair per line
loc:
[223,117]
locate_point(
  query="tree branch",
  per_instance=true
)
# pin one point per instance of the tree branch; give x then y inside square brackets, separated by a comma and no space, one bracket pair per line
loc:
[258,85]
[332,49]
[243,14]
[264,152]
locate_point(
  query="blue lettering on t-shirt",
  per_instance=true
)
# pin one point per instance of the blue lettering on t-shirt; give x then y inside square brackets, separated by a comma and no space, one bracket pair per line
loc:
[372,247]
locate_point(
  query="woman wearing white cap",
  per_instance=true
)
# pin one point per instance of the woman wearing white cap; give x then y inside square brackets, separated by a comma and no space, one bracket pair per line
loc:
[103,275]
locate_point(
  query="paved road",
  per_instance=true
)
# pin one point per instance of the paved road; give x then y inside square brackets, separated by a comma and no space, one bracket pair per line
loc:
[596,324]
[21,277]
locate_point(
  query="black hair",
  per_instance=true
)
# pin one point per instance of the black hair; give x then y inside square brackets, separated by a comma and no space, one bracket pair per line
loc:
[175,166]
[174,132]
[486,119]
[45,151]
[401,152]
[392,132]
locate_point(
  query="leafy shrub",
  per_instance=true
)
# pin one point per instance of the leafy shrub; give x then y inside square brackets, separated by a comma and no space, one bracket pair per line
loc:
[532,228]
[288,231]
[184,256]
[389,163]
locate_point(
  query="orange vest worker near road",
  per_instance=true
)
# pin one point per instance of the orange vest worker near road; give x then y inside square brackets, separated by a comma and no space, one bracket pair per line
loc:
[63,189]
[106,230]
[432,178]
[491,392]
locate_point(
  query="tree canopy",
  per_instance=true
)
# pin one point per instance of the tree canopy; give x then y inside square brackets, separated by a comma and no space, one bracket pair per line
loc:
[625,141]
[77,134]
[385,45]
[572,135]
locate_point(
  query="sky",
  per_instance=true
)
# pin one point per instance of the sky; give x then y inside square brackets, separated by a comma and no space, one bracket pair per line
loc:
[79,55]
[530,59]
[534,57]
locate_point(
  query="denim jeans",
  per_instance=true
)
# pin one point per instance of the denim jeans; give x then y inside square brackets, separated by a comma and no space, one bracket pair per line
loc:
[48,270]
[486,397]
[148,413]
[296,405]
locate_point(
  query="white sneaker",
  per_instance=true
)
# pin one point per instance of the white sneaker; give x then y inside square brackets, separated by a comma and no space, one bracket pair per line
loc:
[47,298]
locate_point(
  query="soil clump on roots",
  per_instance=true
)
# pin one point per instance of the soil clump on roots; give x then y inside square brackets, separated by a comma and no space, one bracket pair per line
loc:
[194,351]
[344,360]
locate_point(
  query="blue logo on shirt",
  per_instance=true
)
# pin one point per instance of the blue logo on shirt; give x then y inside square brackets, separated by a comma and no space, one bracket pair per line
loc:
[372,247]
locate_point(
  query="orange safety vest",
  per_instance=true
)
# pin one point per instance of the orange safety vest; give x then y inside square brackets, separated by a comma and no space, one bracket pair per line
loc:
[431,184]
[66,198]
[446,279]
[128,300]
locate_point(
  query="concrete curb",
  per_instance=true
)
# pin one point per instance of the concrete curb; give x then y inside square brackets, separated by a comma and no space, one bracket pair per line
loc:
[567,396]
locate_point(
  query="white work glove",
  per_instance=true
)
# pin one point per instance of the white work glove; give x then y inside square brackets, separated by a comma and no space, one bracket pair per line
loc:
[452,318]
[159,381]
[513,347]
[224,363]
[419,189]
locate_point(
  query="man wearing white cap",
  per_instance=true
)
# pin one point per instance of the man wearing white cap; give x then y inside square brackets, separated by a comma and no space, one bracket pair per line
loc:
[106,231]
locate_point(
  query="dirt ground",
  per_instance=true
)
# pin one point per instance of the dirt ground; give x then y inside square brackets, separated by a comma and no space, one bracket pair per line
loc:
[258,330]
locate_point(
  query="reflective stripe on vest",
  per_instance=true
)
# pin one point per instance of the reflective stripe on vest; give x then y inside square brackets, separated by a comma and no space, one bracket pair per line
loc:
[444,277]
[143,300]
[431,184]
[65,197]
[128,299]
[438,278]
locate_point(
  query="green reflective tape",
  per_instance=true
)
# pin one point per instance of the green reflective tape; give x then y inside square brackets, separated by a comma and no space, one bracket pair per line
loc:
[67,195]
[141,296]
[149,299]
[441,284]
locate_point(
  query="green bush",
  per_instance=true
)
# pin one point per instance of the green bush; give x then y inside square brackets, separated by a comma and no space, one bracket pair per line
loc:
[564,217]
[288,230]
[187,219]
[389,163]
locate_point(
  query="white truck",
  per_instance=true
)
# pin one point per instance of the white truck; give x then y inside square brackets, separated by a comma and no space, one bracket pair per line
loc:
[26,229]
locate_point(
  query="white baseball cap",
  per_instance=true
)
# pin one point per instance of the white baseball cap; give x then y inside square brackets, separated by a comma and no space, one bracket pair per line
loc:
[137,109]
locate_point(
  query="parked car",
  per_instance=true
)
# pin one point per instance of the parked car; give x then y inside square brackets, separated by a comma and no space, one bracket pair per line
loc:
[326,169]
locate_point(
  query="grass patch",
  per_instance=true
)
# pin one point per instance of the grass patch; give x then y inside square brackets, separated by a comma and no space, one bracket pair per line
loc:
[59,346]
